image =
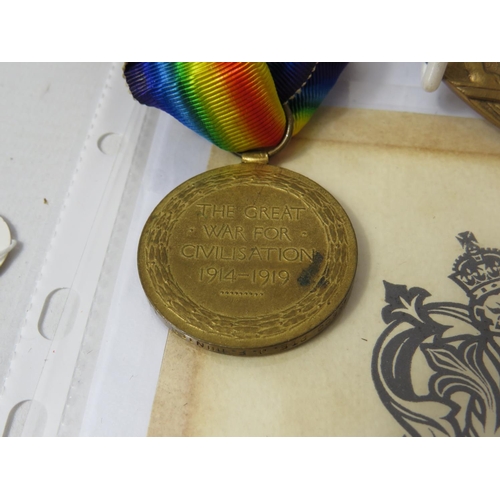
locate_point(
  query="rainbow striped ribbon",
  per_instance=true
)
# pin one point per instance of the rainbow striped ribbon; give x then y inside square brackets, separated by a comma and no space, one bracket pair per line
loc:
[237,106]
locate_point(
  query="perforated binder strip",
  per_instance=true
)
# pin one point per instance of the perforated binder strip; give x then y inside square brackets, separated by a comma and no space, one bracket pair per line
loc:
[42,365]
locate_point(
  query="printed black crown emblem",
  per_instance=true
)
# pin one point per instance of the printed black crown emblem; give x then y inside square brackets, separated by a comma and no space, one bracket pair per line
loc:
[477,271]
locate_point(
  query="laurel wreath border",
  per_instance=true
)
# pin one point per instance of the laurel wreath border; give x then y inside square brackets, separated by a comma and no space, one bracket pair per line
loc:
[172,303]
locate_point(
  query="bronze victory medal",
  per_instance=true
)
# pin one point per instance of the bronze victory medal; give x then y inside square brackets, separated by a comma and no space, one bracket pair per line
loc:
[248,260]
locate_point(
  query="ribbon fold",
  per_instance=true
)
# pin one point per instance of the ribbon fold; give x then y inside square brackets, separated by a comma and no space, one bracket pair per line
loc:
[236,105]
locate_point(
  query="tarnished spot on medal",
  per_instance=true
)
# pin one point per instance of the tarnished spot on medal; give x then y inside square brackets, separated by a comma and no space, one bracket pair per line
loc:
[308,274]
[248,260]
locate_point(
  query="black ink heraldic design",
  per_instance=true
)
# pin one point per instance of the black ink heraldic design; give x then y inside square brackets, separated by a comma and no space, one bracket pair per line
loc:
[436,366]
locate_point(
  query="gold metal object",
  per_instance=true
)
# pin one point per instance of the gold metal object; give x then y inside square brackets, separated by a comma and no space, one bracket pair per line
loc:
[478,84]
[248,259]
[256,157]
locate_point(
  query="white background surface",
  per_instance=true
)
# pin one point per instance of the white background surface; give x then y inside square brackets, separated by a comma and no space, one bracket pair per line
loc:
[47,111]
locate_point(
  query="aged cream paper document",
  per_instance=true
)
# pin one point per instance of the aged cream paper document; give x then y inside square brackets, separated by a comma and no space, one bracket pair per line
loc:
[415,351]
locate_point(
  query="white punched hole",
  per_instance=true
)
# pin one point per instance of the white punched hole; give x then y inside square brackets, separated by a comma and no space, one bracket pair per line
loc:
[18,415]
[109,143]
[6,242]
[59,312]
